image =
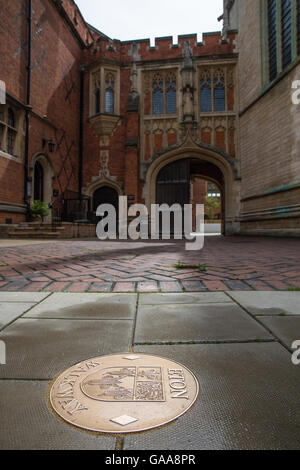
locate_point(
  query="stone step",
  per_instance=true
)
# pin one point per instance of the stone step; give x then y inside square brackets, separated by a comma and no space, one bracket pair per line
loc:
[38,228]
[35,235]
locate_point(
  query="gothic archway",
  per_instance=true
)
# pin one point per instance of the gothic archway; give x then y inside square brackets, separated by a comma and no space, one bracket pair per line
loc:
[42,175]
[208,163]
[38,182]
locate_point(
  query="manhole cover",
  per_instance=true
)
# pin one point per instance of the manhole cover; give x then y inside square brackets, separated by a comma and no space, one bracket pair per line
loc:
[123,393]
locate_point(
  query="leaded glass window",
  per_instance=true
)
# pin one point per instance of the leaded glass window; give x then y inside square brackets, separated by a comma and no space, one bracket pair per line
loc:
[205,95]
[158,98]
[171,95]
[109,94]
[10,141]
[286,32]
[10,118]
[298,27]
[219,94]
[272,38]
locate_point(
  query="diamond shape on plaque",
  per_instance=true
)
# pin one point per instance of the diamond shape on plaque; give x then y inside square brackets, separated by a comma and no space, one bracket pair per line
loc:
[124,420]
[131,358]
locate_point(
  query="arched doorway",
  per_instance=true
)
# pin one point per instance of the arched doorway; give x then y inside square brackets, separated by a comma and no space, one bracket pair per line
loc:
[38,182]
[208,162]
[174,183]
[105,195]
[42,175]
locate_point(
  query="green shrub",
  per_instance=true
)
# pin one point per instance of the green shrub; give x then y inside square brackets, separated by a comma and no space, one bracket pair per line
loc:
[39,209]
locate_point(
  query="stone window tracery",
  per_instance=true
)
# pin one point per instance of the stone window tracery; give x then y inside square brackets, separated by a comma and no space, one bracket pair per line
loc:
[161,95]
[104,91]
[212,90]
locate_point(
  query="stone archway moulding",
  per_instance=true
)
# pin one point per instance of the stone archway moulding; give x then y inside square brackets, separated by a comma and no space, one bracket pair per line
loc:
[45,161]
[99,183]
[206,153]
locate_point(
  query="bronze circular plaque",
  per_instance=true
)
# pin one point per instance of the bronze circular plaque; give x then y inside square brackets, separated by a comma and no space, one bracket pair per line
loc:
[123,393]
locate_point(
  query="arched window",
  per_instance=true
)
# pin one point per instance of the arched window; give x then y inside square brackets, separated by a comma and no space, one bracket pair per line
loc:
[205,95]
[158,97]
[109,94]
[171,102]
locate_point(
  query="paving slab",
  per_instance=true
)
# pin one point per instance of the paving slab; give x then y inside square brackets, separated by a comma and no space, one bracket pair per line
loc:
[27,423]
[249,400]
[287,329]
[86,306]
[184,298]
[269,303]
[9,311]
[202,322]
[33,297]
[40,349]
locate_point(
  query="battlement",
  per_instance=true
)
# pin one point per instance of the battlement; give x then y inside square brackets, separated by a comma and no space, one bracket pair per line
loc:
[165,48]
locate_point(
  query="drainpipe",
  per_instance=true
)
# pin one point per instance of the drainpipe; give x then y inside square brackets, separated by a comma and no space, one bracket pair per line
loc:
[81,133]
[28,107]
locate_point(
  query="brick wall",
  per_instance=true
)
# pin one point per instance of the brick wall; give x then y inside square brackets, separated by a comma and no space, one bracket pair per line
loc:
[268,135]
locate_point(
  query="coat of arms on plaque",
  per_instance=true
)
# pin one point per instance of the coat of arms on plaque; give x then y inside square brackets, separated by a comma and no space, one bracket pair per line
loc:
[131,384]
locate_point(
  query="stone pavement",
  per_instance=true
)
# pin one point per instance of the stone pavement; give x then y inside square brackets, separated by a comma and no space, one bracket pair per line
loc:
[238,344]
[232,263]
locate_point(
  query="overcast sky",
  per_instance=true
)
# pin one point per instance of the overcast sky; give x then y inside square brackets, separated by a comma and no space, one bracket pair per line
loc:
[139,19]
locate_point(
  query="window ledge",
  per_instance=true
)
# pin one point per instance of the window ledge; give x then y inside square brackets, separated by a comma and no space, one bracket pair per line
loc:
[15,158]
[160,116]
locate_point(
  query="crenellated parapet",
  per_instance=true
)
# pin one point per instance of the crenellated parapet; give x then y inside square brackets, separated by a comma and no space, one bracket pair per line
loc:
[212,44]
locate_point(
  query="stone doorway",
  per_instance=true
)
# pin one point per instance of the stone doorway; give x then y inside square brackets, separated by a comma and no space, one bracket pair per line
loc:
[177,182]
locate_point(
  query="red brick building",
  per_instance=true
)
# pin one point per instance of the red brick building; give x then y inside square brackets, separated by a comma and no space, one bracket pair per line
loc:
[88,118]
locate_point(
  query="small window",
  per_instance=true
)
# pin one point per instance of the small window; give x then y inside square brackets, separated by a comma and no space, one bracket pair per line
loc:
[8,130]
[109,94]
[109,101]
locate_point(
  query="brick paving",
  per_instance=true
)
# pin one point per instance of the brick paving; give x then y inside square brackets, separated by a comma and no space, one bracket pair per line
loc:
[232,263]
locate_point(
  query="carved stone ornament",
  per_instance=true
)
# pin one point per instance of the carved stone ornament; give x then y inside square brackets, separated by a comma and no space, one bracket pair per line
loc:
[104,124]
